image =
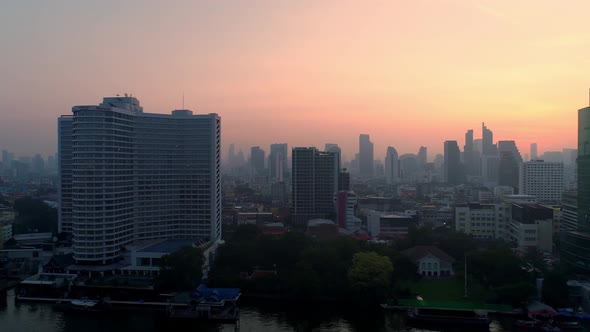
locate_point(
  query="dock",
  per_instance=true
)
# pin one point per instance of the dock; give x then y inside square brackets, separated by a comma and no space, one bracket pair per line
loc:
[406,304]
[27,299]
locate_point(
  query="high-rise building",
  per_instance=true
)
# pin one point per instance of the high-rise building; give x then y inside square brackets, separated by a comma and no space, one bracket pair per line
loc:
[575,244]
[534,153]
[138,176]
[422,157]
[257,160]
[314,184]
[365,156]
[487,143]
[508,164]
[64,169]
[452,164]
[391,165]
[346,203]
[277,162]
[544,180]
[468,154]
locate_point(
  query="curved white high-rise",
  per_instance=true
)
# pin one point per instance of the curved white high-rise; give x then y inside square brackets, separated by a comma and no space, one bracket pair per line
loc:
[139,176]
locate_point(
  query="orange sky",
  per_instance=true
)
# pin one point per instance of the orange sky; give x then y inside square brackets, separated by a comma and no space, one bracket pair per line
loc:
[409,73]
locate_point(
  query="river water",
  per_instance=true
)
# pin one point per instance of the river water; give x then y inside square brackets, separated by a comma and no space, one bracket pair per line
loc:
[254,317]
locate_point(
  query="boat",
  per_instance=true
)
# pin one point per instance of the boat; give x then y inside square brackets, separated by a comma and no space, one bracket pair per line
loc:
[473,318]
[84,304]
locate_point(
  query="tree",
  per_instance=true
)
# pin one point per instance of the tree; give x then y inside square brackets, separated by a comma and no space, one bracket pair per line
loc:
[181,270]
[370,277]
[34,216]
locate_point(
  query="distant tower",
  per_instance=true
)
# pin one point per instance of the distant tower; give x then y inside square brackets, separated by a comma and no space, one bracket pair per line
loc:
[422,157]
[391,165]
[468,153]
[487,140]
[452,164]
[277,162]
[365,156]
[257,160]
[534,153]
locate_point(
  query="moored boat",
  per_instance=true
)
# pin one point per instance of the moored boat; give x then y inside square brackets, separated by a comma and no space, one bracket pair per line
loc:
[85,304]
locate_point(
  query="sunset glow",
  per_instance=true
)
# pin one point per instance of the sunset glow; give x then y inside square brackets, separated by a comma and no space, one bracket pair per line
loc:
[409,73]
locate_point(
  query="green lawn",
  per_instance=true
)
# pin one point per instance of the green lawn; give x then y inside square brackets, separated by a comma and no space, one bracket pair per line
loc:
[446,289]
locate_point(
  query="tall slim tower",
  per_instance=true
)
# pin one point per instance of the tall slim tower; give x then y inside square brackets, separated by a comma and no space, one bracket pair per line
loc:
[575,245]
[487,140]
[277,162]
[365,156]
[391,165]
[468,153]
[534,155]
[138,176]
[64,166]
[452,164]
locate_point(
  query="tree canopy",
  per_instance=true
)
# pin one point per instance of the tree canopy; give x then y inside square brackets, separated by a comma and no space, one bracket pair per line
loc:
[181,270]
[34,215]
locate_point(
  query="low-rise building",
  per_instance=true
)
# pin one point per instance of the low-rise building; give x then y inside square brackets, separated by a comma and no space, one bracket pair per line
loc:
[531,225]
[430,261]
[387,224]
[482,221]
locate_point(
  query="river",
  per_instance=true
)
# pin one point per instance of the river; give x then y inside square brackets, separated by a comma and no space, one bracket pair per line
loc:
[254,317]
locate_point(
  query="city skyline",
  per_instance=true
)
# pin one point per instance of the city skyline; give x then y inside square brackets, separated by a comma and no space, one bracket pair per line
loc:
[408,74]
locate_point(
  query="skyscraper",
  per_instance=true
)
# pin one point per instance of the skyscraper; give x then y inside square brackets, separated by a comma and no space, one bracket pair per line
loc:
[64,169]
[314,184]
[468,154]
[365,156]
[277,162]
[138,176]
[487,144]
[391,165]
[257,160]
[452,164]
[509,163]
[534,155]
[422,157]
[575,248]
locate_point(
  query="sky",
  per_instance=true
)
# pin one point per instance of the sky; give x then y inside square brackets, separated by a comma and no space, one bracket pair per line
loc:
[306,72]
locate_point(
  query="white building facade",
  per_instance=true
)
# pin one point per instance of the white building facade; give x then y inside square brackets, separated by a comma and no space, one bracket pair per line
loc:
[137,176]
[543,180]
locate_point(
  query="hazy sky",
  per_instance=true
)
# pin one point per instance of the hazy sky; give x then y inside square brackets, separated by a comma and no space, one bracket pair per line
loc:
[408,73]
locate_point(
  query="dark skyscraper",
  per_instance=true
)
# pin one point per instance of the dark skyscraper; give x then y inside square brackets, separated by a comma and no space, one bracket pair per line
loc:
[257,160]
[422,157]
[277,162]
[468,154]
[508,164]
[314,184]
[452,164]
[392,165]
[487,144]
[575,245]
[365,156]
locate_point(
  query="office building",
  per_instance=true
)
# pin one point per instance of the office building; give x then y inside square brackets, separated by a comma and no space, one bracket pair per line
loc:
[346,205]
[534,152]
[508,164]
[531,225]
[391,165]
[575,245]
[452,164]
[138,176]
[543,180]
[365,156]
[314,184]
[64,169]
[277,162]
[257,161]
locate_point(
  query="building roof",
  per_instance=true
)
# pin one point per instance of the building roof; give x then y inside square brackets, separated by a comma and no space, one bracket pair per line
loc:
[418,252]
[204,294]
[61,260]
[167,246]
